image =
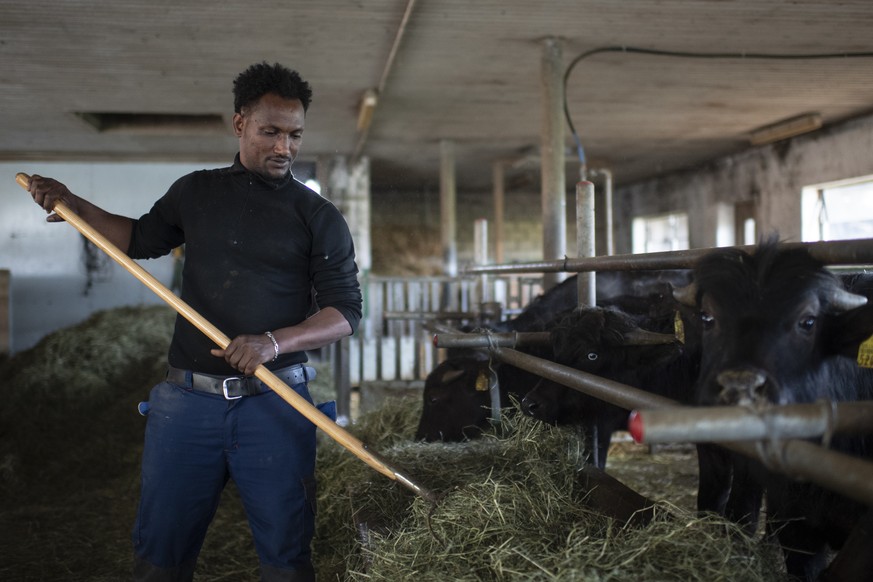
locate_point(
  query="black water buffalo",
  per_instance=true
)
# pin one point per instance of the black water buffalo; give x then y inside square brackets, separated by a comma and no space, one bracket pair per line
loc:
[609,343]
[778,328]
[457,399]
[453,395]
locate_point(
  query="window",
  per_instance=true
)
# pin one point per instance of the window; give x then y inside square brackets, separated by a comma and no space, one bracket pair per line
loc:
[667,232]
[838,210]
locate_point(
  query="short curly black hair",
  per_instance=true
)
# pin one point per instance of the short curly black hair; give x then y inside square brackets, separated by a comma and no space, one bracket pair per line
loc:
[262,78]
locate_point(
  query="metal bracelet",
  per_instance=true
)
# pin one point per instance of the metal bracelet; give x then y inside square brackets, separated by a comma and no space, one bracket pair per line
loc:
[269,334]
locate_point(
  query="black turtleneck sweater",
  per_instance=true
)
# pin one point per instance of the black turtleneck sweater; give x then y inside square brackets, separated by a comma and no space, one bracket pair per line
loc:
[255,251]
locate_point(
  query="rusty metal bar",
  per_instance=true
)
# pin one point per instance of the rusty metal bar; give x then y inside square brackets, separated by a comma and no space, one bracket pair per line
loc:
[806,461]
[608,390]
[505,339]
[844,474]
[424,315]
[837,252]
[735,423]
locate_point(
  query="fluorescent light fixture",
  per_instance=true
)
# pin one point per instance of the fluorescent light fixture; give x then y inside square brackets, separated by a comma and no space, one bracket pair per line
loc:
[785,129]
[365,112]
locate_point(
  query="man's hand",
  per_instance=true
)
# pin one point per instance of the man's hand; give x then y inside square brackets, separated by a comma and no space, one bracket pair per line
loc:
[246,352]
[46,192]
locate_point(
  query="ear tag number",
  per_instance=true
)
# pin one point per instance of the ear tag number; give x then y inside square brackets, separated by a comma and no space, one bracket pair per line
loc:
[865,353]
[679,328]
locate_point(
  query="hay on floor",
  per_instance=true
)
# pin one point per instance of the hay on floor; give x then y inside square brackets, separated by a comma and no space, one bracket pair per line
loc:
[511,508]
[510,503]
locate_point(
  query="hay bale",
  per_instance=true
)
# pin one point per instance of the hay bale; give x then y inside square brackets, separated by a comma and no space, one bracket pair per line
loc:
[403,251]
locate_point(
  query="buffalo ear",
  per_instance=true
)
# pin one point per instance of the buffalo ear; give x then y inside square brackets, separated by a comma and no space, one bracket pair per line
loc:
[848,330]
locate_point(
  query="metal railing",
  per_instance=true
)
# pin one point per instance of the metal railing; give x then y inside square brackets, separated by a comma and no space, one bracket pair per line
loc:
[392,344]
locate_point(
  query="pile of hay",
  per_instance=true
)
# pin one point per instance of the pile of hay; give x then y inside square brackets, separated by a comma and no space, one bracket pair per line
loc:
[510,508]
[55,392]
[90,361]
[70,448]
[510,504]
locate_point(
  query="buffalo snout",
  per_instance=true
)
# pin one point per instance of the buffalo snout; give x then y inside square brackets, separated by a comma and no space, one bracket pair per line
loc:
[742,386]
[530,405]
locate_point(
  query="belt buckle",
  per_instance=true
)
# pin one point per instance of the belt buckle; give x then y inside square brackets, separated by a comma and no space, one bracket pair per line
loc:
[224,387]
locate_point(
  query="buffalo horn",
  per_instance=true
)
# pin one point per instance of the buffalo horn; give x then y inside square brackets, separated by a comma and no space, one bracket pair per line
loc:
[642,337]
[843,300]
[451,376]
[686,295]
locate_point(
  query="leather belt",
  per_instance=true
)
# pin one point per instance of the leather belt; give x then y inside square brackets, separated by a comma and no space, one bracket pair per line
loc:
[233,387]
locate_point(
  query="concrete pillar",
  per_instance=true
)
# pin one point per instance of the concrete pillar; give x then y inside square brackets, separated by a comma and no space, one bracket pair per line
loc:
[553,172]
[448,204]
[499,205]
[359,213]
[349,190]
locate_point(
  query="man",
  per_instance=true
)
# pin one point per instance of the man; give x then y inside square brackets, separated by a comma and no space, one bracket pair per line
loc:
[258,246]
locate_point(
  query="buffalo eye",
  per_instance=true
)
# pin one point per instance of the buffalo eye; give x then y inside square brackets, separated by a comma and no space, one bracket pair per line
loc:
[592,356]
[707,320]
[807,323]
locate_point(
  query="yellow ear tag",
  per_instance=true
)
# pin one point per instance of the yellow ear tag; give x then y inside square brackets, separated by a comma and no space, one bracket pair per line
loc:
[482,382]
[679,328]
[865,353]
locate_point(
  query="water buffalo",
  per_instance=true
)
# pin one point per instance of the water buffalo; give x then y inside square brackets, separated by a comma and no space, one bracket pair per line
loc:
[609,344]
[457,401]
[453,393]
[778,328]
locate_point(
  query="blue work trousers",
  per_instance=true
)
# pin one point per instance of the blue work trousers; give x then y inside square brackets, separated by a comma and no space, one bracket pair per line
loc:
[194,443]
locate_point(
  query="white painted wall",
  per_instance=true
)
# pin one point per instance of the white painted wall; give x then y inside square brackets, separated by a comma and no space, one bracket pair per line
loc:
[46,260]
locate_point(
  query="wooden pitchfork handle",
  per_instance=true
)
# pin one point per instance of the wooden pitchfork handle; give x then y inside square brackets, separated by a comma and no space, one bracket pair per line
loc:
[317,417]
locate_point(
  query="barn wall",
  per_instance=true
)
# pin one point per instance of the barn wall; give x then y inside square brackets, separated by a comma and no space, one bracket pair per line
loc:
[772,176]
[49,273]
[406,234]
[48,276]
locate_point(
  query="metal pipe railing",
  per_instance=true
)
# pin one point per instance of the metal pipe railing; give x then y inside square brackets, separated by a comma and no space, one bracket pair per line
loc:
[424,315]
[838,252]
[844,474]
[604,389]
[511,339]
[739,423]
